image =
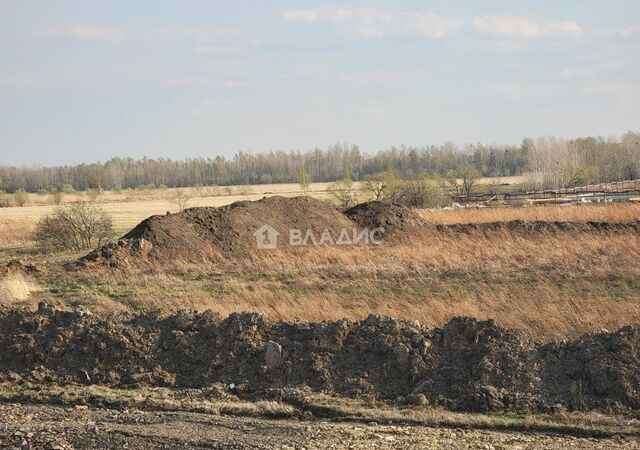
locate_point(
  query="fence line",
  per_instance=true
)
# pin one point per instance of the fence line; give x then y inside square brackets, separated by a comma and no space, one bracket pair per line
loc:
[603,192]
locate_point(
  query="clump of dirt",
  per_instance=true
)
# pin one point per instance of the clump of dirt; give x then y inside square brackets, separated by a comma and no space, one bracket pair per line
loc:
[206,233]
[15,266]
[398,221]
[467,365]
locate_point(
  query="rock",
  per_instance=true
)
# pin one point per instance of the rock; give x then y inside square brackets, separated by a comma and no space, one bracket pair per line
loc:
[401,355]
[273,355]
[417,400]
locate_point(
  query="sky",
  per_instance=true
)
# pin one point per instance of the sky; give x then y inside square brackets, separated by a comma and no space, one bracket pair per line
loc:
[82,81]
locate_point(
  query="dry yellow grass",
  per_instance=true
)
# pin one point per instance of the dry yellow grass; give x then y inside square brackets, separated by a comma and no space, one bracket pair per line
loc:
[235,192]
[168,194]
[15,231]
[16,287]
[603,212]
[549,285]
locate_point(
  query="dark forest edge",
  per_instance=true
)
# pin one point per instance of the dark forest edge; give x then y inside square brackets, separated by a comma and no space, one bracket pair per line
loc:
[553,163]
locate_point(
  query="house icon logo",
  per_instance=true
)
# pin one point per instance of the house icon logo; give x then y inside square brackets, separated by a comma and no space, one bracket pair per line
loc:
[266,237]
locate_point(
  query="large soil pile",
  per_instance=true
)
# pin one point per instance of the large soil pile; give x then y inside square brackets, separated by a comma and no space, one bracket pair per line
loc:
[466,365]
[198,234]
[399,222]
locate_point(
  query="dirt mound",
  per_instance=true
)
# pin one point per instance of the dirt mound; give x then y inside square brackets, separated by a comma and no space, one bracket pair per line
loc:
[209,234]
[466,365]
[398,221]
[537,226]
[199,234]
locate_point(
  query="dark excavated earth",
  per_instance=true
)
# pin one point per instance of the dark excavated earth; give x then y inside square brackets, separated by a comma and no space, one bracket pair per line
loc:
[467,365]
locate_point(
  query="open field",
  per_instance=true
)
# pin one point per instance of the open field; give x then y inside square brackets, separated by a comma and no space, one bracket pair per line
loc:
[545,275]
[547,284]
[242,192]
[129,208]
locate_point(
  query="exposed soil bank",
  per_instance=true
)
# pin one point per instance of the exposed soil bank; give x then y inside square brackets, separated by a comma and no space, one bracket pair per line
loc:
[467,365]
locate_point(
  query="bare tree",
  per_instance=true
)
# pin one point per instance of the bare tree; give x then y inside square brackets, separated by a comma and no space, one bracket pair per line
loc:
[182,197]
[379,185]
[461,183]
[343,191]
[78,226]
[304,180]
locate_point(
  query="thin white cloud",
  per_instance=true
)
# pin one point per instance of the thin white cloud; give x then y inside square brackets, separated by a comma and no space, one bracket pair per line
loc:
[361,22]
[509,91]
[577,74]
[218,50]
[197,34]
[592,71]
[631,31]
[92,32]
[200,35]
[432,25]
[366,23]
[304,15]
[378,23]
[524,28]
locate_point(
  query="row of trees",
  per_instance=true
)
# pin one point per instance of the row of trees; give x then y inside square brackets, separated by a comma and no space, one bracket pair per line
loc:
[417,192]
[554,162]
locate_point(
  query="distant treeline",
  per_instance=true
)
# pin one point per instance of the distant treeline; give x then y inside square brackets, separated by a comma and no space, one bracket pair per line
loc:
[556,162]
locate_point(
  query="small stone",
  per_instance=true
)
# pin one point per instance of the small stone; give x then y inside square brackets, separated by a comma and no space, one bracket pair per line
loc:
[273,355]
[417,400]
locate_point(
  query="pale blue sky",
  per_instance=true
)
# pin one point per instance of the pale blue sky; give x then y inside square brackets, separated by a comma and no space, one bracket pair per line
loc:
[88,80]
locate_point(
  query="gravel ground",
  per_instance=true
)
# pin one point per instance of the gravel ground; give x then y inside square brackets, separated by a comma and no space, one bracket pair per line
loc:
[58,428]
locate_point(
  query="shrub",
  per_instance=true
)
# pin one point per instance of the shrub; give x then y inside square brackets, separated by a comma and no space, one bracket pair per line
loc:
[418,193]
[93,194]
[20,197]
[57,196]
[79,226]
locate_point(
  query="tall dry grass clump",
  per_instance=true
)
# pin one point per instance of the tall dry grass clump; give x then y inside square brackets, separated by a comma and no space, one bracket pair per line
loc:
[15,232]
[16,287]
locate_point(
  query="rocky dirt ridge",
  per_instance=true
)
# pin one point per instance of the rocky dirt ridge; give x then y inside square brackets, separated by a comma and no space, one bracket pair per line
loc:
[466,365]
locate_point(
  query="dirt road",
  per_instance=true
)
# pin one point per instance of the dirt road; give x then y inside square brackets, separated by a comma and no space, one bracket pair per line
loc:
[58,428]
